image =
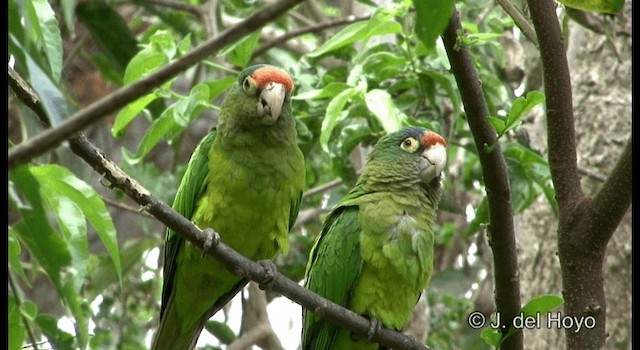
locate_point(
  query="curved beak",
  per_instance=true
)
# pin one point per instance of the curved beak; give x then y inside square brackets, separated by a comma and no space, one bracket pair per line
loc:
[433,161]
[271,102]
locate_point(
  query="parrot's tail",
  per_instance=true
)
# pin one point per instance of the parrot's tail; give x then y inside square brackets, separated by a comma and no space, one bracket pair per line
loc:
[169,336]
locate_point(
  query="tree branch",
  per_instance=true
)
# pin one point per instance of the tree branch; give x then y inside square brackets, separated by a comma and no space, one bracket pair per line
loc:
[177,5]
[310,29]
[50,138]
[560,125]
[520,21]
[613,199]
[494,172]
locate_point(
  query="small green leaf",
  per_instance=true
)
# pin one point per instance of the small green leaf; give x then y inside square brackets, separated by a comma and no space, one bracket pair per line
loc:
[129,113]
[497,123]
[172,121]
[44,23]
[216,87]
[221,331]
[432,17]
[334,113]
[491,336]
[379,103]
[542,304]
[16,332]
[49,326]
[522,105]
[606,6]
[29,310]
[143,63]
[14,251]
[239,53]
[380,23]
[68,9]
[329,91]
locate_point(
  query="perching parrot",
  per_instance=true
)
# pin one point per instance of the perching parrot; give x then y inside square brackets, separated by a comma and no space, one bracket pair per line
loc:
[374,254]
[245,181]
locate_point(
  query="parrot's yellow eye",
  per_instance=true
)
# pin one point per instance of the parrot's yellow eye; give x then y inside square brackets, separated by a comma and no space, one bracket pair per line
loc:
[246,84]
[410,145]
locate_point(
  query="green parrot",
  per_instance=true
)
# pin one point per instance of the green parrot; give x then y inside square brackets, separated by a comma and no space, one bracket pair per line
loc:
[245,181]
[374,254]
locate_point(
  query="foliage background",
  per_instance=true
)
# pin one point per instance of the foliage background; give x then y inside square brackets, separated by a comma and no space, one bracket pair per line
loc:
[355,81]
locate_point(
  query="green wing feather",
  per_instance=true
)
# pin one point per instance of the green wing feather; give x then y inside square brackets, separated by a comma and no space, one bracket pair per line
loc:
[338,244]
[192,186]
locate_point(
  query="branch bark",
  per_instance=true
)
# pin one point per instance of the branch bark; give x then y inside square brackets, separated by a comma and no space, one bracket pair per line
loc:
[50,138]
[494,170]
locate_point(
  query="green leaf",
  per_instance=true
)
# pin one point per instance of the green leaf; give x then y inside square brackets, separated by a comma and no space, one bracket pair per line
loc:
[141,65]
[606,6]
[329,91]
[380,23]
[221,331]
[44,244]
[29,310]
[172,121]
[539,305]
[60,339]
[497,123]
[521,106]
[44,24]
[59,181]
[14,249]
[432,17]
[216,87]
[334,113]
[16,332]
[379,103]
[239,53]
[110,31]
[53,100]
[491,336]
[68,9]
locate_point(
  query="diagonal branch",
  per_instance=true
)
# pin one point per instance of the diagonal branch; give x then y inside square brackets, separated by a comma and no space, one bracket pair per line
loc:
[613,199]
[50,138]
[494,172]
[522,23]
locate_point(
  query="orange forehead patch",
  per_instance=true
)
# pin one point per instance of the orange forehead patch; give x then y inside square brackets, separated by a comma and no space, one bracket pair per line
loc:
[430,138]
[264,75]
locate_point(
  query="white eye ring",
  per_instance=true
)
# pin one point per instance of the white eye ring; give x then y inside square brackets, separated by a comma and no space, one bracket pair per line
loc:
[409,145]
[246,84]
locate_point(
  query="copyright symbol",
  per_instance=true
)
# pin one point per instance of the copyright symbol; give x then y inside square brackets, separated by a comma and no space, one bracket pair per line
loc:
[476,320]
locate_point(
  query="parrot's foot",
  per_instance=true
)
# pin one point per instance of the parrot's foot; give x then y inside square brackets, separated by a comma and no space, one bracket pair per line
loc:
[270,273]
[374,327]
[211,239]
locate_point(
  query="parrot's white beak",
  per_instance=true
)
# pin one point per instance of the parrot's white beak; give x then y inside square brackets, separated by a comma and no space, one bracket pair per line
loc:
[271,102]
[432,162]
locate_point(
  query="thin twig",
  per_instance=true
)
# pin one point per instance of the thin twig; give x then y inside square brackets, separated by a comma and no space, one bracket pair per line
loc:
[525,27]
[177,5]
[50,138]
[322,188]
[310,29]
[126,207]
[27,326]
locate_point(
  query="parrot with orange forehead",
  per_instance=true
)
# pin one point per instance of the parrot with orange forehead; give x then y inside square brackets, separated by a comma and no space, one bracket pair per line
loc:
[245,181]
[374,254]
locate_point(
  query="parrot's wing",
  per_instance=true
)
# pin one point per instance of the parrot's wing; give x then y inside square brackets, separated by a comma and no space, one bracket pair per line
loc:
[192,186]
[293,211]
[332,272]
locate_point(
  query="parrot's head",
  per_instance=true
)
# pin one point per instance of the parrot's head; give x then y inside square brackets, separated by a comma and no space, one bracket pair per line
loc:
[261,95]
[409,155]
